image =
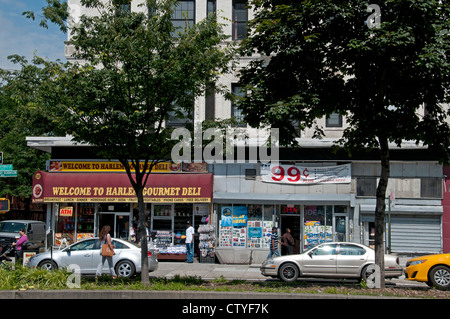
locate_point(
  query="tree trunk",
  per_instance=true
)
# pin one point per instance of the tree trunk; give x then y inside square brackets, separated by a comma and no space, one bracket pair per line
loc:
[143,238]
[381,207]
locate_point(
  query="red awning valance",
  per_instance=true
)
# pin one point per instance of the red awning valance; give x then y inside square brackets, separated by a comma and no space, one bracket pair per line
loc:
[116,187]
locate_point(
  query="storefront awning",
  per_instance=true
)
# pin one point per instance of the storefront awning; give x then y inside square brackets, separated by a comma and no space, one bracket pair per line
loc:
[264,198]
[116,187]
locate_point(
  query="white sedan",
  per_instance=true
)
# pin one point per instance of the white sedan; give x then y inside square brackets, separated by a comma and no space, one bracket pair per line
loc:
[329,260]
[86,254]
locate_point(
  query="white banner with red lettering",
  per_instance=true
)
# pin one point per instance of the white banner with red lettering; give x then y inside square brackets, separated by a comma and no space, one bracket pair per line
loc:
[306,175]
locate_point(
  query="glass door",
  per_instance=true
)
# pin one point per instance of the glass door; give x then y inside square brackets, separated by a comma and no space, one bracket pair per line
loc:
[106,219]
[119,223]
[122,226]
[340,223]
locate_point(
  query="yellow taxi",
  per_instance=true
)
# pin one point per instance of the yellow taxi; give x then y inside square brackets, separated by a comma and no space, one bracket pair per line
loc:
[432,269]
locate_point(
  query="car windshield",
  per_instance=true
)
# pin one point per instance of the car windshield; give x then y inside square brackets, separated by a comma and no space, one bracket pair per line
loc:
[11,227]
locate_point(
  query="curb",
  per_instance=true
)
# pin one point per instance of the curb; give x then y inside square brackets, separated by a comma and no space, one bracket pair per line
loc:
[184,295]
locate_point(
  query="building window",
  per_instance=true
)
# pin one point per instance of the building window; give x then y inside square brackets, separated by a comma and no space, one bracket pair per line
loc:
[334,120]
[366,186]
[183,15]
[211,7]
[123,7]
[180,117]
[236,112]
[431,187]
[240,18]
[210,104]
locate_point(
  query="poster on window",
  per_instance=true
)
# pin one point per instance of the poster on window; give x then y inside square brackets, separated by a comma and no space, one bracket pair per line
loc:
[239,216]
[226,218]
[306,175]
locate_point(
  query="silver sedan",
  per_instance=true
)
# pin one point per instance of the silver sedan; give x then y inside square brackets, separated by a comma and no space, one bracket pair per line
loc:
[86,254]
[329,260]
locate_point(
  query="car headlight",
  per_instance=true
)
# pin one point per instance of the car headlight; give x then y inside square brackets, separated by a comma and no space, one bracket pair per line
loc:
[415,262]
[268,263]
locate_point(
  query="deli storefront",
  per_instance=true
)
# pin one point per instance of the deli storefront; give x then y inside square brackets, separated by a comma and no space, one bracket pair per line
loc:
[81,203]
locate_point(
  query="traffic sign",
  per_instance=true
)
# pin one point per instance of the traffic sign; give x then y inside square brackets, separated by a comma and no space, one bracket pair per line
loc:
[7,167]
[8,173]
[4,205]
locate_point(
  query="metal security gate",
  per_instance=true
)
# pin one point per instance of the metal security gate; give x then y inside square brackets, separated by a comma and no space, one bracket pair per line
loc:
[413,234]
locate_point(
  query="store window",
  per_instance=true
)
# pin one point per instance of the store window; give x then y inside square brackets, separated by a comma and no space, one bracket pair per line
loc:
[162,217]
[246,226]
[74,222]
[318,226]
[182,213]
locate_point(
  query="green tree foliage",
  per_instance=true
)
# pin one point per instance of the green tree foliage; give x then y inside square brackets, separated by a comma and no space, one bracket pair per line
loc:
[25,99]
[323,57]
[136,72]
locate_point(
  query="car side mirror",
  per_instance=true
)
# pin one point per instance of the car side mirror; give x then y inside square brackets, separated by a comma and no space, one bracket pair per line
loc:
[310,254]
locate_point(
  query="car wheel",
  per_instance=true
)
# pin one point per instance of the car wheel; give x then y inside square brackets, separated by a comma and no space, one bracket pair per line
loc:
[440,277]
[125,268]
[288,272]
[48,265]
[365,274]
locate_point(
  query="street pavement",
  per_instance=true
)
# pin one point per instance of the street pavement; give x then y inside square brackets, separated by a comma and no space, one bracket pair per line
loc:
[239,272]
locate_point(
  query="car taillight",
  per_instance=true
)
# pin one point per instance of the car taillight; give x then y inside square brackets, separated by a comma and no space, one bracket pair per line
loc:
[149,253]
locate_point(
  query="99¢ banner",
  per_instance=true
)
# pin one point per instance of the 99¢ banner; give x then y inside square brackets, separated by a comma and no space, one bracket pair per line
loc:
[305,175]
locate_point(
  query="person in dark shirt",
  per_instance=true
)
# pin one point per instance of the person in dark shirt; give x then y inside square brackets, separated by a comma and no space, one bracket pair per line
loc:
[288,241]
[274,252]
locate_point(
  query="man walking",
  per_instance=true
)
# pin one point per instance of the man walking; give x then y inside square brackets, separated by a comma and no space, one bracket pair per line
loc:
[274,252]
[189,242]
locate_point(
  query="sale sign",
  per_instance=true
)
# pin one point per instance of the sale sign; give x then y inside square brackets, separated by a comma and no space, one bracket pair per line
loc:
[306,175]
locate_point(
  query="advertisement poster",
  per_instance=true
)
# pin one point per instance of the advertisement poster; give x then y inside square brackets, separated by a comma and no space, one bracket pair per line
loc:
[226,219]
[306,175]
[240,216]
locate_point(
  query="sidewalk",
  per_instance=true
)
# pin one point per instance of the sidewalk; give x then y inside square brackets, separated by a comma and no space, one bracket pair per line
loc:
[208,271]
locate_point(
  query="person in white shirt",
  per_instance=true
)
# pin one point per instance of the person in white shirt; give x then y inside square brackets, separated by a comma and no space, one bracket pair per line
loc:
[189,242]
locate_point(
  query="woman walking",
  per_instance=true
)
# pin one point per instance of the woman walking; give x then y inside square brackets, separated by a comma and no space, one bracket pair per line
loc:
[105,238]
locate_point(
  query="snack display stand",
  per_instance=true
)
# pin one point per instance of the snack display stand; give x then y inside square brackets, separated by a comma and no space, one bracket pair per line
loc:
[206,244]
[167,251]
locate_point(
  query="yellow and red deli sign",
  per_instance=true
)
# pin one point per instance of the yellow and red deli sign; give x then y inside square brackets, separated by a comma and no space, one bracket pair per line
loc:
[108,166]
[116,187]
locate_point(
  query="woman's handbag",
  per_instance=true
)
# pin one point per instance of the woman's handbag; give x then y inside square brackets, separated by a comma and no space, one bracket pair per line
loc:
[106,251]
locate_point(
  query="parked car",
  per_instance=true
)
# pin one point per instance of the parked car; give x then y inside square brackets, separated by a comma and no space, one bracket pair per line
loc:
[127,258]
[431,269]
[330,260]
